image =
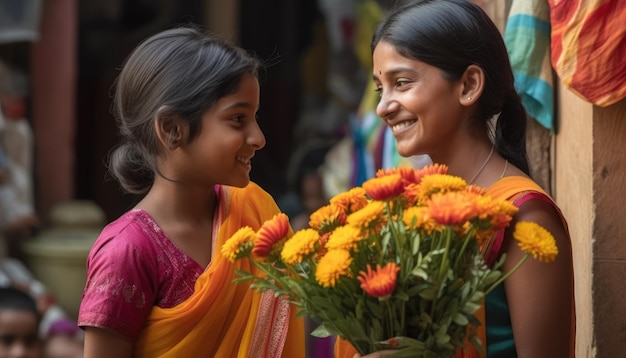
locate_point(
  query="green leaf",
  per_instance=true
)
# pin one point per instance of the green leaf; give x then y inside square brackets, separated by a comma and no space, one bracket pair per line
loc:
[460,319]
[321,332]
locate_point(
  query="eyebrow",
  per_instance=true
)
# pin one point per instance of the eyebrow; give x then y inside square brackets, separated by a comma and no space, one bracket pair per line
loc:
[239,105]
[395,71]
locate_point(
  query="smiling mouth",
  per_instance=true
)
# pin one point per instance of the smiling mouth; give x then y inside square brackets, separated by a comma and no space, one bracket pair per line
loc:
[244,160]
[402,125]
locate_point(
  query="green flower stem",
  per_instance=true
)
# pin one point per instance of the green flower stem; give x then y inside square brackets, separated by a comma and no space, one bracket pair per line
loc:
[469,237]
[505,276]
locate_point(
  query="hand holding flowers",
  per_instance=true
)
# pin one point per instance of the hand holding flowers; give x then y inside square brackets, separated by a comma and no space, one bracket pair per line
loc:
[396,263]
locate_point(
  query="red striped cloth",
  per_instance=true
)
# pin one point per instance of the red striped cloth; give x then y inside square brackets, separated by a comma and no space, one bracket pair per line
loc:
[588,43]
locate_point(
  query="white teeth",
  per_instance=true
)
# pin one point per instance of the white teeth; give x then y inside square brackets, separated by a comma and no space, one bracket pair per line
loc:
[243,160]
[401,126]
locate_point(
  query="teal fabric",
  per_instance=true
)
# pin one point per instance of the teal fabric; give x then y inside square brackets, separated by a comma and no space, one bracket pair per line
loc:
[527,39]
[500,343]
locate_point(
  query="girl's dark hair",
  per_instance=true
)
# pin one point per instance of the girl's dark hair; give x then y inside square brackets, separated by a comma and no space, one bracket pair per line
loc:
[184,70]
[12,298]
[452,35]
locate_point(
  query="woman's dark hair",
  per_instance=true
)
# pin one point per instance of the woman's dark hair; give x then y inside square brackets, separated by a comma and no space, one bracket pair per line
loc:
[452,35]
[184,70]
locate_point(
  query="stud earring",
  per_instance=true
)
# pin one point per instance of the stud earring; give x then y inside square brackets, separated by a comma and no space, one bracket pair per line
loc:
[469,98]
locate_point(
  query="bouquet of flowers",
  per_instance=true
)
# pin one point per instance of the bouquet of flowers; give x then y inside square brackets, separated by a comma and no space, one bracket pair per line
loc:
[393,264]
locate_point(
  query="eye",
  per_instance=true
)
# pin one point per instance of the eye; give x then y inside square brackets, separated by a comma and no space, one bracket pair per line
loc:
[401,83]
[379,90]
[238,118]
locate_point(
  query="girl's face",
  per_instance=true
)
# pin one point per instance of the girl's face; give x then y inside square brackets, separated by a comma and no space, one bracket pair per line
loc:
[19,334]
[229,136]
[420,106]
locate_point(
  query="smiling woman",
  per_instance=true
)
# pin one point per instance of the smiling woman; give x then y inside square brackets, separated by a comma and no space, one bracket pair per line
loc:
[186,105]
[444,77]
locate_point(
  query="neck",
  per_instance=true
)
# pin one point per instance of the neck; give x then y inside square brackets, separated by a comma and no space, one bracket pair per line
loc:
[482,167]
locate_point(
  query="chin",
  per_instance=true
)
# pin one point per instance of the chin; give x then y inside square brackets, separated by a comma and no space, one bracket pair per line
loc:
[240,183]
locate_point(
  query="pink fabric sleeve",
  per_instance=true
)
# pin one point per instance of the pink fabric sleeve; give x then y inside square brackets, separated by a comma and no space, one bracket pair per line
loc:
[121,275]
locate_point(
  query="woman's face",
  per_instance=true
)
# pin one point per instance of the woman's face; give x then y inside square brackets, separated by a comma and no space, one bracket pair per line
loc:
[228,139]
[422,108]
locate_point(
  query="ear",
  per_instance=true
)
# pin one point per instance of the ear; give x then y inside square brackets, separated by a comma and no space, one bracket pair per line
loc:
[473,84]
[169,128]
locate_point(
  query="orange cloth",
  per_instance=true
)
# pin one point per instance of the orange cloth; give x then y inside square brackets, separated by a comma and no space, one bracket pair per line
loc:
[223,319]
[588,48]
[508,188]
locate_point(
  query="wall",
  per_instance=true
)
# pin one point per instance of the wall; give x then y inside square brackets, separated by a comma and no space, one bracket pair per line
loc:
[573,192]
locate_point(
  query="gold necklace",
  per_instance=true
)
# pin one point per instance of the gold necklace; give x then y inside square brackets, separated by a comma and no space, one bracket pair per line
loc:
[482,167]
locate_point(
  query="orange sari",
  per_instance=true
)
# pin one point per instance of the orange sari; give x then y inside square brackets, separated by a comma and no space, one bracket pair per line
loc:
[223,319]
[515,190]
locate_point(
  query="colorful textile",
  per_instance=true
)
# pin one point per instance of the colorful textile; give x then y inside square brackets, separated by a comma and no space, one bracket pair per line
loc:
[527,38]
[589,48]
[220,318]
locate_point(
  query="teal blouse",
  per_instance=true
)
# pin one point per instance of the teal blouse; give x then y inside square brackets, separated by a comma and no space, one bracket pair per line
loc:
[500,342]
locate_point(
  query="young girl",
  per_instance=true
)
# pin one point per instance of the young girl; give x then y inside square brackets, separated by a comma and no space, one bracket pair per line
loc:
[443,73]
[19,324]
[157,284]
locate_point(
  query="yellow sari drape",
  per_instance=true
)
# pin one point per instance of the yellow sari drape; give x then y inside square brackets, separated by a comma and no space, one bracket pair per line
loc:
[508,188]
[223,319]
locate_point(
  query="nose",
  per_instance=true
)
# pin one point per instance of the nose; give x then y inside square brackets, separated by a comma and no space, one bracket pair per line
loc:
[256,138]
[386,106]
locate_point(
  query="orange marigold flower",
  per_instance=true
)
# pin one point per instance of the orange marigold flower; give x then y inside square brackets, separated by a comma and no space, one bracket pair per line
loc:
[321,248]
[371,214]
[384,188]
[332,266]
[344,237]
[475,189]
[536,240]
[408,174]
[412,194]
[239,244]
[271,232]
[381,282]
[451,208]
[326,218]
[301,244]
[351,200]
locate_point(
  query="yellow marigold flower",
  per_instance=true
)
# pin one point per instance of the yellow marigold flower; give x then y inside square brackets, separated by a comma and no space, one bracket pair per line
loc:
[271,232]
[380,282]
[536,240]
[451,208]
[370,214]
[420,214]
[440,183]
[384,188]
[327,218]
[351,200]
[344,237]
[299,245]
[239,245]
[430,170]
[334,264]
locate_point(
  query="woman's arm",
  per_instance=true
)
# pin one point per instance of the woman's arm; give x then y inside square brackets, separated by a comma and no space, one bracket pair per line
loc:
[101,343]
[540,295]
